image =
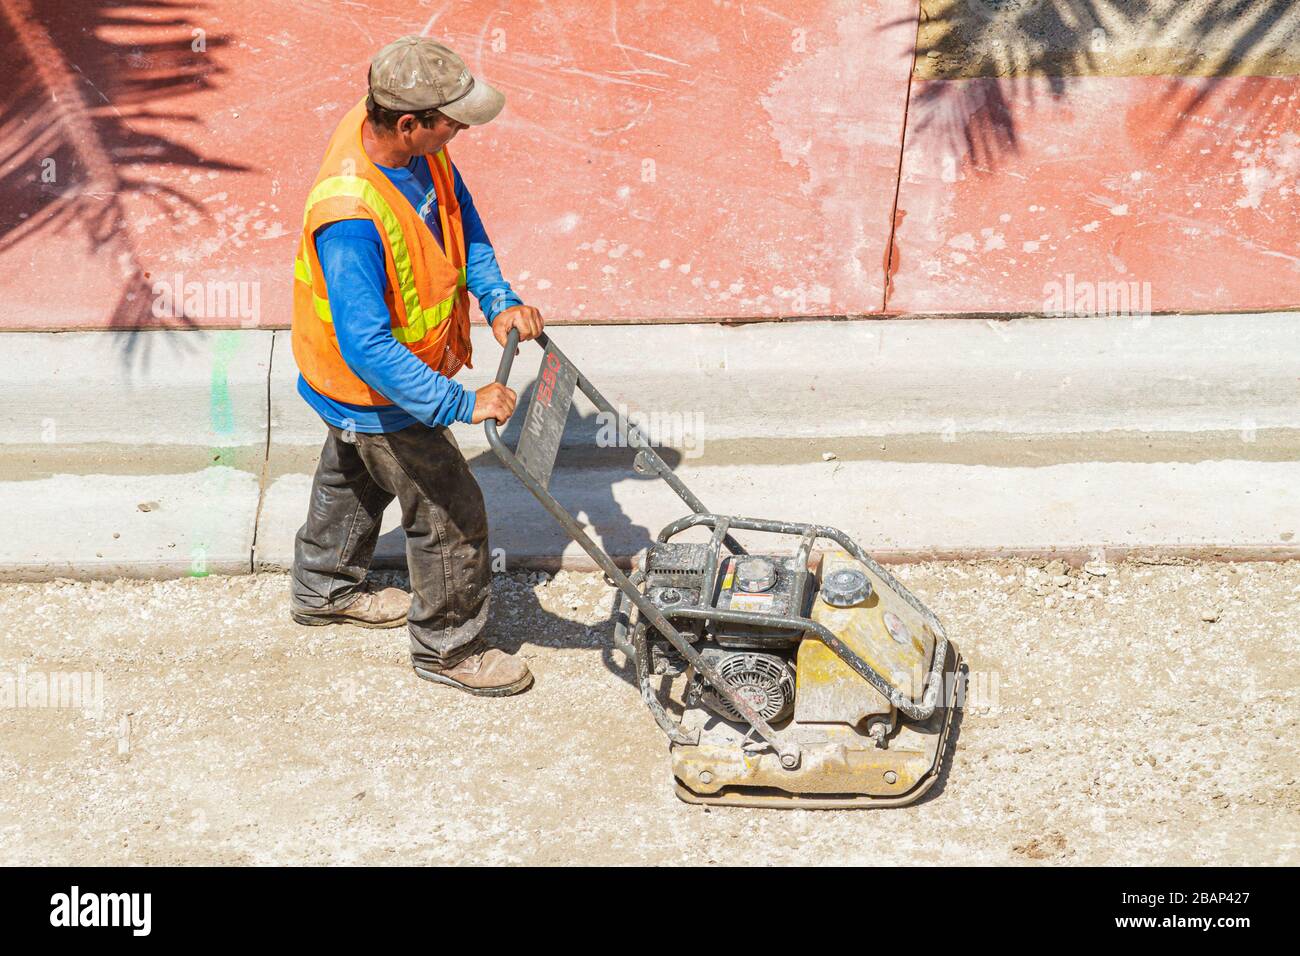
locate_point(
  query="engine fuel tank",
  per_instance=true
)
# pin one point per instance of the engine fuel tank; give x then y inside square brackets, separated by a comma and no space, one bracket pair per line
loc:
[882,629]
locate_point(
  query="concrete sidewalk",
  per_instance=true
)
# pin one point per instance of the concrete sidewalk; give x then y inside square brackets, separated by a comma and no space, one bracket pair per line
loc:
[174,453]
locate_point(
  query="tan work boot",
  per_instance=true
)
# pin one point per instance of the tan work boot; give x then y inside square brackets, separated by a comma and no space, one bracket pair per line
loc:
[493,673]
[383,608]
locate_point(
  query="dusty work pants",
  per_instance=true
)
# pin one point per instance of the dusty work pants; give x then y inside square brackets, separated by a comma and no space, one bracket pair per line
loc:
[446,534]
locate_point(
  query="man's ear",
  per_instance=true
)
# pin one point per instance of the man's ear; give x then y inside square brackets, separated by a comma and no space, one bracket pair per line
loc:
[406,123]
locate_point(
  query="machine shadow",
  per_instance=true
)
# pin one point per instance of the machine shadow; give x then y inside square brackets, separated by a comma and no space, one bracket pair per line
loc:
[950,745]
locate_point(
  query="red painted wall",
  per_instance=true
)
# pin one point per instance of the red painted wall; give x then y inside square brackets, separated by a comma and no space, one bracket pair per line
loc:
[1179,192]
[657,160]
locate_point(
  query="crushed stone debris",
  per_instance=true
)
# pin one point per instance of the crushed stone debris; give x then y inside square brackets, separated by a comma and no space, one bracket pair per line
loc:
[1102,716]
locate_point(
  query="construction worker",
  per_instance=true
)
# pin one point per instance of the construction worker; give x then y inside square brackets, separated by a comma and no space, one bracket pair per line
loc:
[390,250]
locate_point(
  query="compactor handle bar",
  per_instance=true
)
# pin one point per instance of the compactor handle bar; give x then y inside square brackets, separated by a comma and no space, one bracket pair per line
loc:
[532,461]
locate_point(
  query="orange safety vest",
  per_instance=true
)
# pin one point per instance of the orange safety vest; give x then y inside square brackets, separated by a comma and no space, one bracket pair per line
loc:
[428,302]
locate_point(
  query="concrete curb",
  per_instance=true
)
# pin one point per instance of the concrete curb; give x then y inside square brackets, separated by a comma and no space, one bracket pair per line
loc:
[170,453]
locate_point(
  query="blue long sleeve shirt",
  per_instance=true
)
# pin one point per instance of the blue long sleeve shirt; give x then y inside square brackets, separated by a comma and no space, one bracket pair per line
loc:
[352,259]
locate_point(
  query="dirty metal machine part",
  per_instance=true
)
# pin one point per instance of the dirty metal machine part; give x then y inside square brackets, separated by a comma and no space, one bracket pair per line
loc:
[840,774]
[538,446]
[766,681]
[800,681]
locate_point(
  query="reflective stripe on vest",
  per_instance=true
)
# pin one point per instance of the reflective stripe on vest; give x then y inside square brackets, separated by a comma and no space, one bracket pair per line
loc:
[302,272]
[420,321]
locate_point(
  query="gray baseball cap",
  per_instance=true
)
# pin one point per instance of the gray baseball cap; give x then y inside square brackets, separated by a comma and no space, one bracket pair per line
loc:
[417,73]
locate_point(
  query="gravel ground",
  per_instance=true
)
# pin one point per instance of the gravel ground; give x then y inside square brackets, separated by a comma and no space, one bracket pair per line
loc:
[1140,714]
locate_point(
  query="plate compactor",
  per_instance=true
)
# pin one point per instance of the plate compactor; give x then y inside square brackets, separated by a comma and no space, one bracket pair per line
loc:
[814,679]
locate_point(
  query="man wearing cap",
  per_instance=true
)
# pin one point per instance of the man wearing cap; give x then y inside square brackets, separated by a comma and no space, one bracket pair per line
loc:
[390,250]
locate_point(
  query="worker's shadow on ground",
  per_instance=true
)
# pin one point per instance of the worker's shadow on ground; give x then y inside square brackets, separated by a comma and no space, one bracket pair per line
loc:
[518,617]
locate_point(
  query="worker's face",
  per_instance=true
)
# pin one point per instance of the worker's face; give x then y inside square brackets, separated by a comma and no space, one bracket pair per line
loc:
[428,139]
